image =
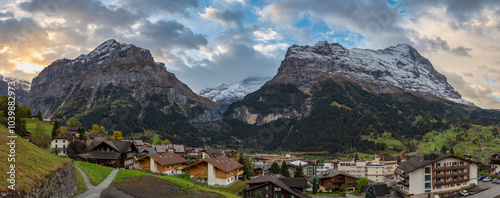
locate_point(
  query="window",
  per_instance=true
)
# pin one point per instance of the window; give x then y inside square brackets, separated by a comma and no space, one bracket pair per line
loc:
[427,178]
[427,170]
[427,185]
[266,188]
[277,189]
[267,195]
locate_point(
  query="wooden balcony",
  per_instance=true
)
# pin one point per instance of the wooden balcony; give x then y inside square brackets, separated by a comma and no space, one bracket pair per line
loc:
[450,182]
[451,175]
[451,167]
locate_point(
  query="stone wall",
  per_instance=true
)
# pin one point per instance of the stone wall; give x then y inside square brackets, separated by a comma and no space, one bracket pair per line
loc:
[61,183]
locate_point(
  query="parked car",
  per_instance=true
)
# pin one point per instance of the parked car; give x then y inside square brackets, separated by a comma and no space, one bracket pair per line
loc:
[487,179]
[480,178]
[494,180]
[464,193]
[498,181]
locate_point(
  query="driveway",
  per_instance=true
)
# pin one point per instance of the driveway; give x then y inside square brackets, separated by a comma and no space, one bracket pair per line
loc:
[490,193]
[95,191]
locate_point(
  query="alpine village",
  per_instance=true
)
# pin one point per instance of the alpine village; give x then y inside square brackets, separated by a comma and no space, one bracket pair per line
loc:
[331,122]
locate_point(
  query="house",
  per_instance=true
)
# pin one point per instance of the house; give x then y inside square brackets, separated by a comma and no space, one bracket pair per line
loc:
[381,190]
[137,143]
[61,143]
[142,151]
[214,152]
[390,163]
[336,178]
[494,165]
[167,163]
[116,154]
[199,153]
[278,186]
[426,175]
[261,170]
[47,120]
[373,170]
[177,149]
[97,137]
[220,171]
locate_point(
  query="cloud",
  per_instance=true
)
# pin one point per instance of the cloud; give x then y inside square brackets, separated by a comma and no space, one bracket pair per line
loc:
[155,7]
[461,51]
[225,18]
[172,34]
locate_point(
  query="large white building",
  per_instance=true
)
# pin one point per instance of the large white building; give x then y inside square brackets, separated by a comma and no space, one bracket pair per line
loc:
[321,167]
[61,142]
[374,171]
[434,173]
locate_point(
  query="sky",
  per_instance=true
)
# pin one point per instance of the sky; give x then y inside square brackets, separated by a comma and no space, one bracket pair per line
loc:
[207,43]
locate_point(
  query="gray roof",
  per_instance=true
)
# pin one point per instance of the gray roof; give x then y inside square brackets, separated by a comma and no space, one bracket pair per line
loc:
[103,155]
[150,150]
[119,146]
[277,180]
[332,173]
[422,160]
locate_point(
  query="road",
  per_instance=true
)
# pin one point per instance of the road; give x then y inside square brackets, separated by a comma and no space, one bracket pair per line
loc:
[490,193]
[95,191]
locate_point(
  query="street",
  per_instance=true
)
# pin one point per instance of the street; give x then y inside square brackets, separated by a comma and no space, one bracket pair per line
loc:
[490,193]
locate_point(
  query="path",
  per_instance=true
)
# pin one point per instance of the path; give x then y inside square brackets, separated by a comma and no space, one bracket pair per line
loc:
[492,192]
[95,191]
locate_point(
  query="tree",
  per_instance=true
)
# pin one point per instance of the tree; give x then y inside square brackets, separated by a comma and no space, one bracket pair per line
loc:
[55,128]
[55,151]
[39,115]
[103,131]
[228,155]
[75,148]
[361,182]
[117,135]
[315,185]
[343,188]
[275,168]
[38,136]
[258,194]
[452,151]
[459,153]
[95,129]
[247,166]
[284,169]
[299,172]
[8,107]
[370,192]
[329,187]
[166,141]
[356,157]
[444,149]
[72,122]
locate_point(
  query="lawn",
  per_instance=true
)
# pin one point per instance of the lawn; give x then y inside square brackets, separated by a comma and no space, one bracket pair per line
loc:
[186,184]
[96,173]
[325,194]
[80,183]
[31,125]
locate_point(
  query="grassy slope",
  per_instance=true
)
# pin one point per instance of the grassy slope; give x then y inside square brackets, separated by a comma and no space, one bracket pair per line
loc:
[226,192]
[32,163]
[31,124]
[81,186]
[96,173]
[486,143]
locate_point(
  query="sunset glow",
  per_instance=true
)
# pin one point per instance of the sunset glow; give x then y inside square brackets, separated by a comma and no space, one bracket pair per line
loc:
[26,66]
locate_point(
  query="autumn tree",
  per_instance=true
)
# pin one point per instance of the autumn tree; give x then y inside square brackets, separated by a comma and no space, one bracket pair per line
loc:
[166,141]
[117,135]
[95,129]
[72,122]
[38,136]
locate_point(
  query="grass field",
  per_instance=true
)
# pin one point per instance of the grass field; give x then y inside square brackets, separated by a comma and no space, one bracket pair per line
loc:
[325,194]
[80,183]
[31,125]
[185,183]
[96,173]
[32,163]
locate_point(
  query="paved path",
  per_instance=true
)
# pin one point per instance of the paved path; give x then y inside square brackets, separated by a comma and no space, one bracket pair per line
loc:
[490,193]
[95,191]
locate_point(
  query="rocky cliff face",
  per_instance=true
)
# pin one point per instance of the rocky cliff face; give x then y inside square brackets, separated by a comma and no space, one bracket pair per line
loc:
[396,68]
[118,83]
[226,94]
[22,87]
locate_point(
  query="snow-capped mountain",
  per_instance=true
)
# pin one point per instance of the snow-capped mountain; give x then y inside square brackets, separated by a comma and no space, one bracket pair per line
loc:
[22,87]
[380,70]
[226,94]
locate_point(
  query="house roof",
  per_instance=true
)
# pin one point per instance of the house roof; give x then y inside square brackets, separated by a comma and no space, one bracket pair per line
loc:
[103,155]
[266,167]
[381,190]
[178,148]
[137,142]
[150,150]
[100,139]
[159,148]
[119,146]
[295,182]
[278,180]
[222,163]
[165,158]
[73,128]
[68,137]
[332,173]
[422,160]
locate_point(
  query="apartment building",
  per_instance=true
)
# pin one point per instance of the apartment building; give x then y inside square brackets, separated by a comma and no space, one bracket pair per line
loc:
[374,171]
[434,173]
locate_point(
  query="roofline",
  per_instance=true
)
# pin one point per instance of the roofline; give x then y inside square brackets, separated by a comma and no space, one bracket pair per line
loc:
[158,161]
[204,160]
[449,155]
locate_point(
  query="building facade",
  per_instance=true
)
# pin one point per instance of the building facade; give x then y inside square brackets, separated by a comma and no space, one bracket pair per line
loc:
[167,163]
[272,186]
[61,142]
[220,171]
[374,171]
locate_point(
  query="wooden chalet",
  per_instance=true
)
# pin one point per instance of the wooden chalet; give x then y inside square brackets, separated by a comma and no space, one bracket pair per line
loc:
[278,186]
[167,163]
[116,154]
[220,171]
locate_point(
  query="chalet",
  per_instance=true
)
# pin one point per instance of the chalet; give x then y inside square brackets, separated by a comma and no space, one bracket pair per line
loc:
[434,173]
[336,178]
[199,153]
[220,171]
[97,137]
[47,120]
[142,151]
[137,143]
[167,163]
[75,131]
[278,186]
[170,148]
[261,170]
[61,143]
[116,154]
[494,165]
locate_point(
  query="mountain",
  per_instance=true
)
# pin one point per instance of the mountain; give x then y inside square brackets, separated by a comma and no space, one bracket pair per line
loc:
[22,87]
[326,97]
[119,86]
[226,94]
[396,68]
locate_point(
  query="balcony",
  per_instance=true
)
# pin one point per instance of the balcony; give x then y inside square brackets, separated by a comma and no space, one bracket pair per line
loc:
[338,181]
[404,175]
[451,167]
[451,175]
[450,182]
[404,183]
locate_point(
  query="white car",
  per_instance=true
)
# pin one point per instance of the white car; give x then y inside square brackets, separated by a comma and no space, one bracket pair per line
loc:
[464,193]
[487,179]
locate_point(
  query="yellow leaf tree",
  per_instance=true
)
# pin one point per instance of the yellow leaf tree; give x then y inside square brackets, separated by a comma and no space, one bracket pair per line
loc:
[166,142]
[95,129]
[117,135]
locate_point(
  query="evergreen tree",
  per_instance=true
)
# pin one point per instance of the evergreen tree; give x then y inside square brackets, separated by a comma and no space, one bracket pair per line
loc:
[247,166]
[444,149]
[284,169]
[370,192]
[275,168]
[452,151]
[39,116]
[315,185]
[356,157]
[299,172]
[55,128]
